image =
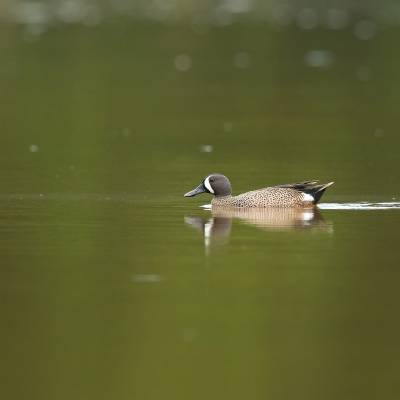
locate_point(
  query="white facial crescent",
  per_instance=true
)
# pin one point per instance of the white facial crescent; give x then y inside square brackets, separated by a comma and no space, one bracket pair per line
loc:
[207,185]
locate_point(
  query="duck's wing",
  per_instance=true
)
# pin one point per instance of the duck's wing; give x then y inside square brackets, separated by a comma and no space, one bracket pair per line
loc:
[309,187]
[299,185]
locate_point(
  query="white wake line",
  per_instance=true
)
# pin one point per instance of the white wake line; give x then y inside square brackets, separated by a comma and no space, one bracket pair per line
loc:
[360,206]
[347,206]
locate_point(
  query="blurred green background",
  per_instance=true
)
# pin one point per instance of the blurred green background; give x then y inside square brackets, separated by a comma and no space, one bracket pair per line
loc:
[110,111]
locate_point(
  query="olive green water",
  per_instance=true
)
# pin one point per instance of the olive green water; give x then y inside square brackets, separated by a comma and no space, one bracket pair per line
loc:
[113,286]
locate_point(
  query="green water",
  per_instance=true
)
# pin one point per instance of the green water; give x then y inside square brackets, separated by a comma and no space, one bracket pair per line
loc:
[112,284]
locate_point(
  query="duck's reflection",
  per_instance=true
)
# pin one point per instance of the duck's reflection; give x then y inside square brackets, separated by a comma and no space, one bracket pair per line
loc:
[216,230]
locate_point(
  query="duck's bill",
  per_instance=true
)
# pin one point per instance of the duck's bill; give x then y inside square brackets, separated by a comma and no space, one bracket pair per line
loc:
[200,189]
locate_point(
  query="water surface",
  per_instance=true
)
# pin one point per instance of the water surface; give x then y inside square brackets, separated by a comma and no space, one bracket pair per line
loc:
[115,286]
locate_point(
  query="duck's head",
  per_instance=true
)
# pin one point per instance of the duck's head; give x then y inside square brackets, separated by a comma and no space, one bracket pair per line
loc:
[216,184]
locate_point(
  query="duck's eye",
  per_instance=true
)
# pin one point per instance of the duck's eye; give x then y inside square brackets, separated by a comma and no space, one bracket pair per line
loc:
[212,180]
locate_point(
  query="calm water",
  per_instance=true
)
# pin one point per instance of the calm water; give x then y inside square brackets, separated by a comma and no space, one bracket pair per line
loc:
[113,286]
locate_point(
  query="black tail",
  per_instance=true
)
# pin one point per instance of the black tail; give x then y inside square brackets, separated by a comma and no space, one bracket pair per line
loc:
[309,187]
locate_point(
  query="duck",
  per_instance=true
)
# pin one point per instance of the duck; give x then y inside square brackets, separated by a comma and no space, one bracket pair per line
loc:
[300,195]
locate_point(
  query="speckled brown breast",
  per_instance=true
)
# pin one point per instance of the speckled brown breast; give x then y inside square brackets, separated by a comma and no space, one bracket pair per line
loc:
[268,197]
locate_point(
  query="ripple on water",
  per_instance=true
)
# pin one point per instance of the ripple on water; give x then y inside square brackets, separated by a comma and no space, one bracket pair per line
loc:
[363,205]
[359,206]
[147,278]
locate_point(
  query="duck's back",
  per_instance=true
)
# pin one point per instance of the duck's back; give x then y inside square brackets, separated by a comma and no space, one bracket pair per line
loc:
[267,197]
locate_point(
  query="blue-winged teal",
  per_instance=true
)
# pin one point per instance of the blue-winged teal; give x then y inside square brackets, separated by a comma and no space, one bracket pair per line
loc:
[302,194]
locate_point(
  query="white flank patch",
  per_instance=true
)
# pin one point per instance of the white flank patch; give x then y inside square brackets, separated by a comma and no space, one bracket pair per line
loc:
[308,197]
[207,185]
